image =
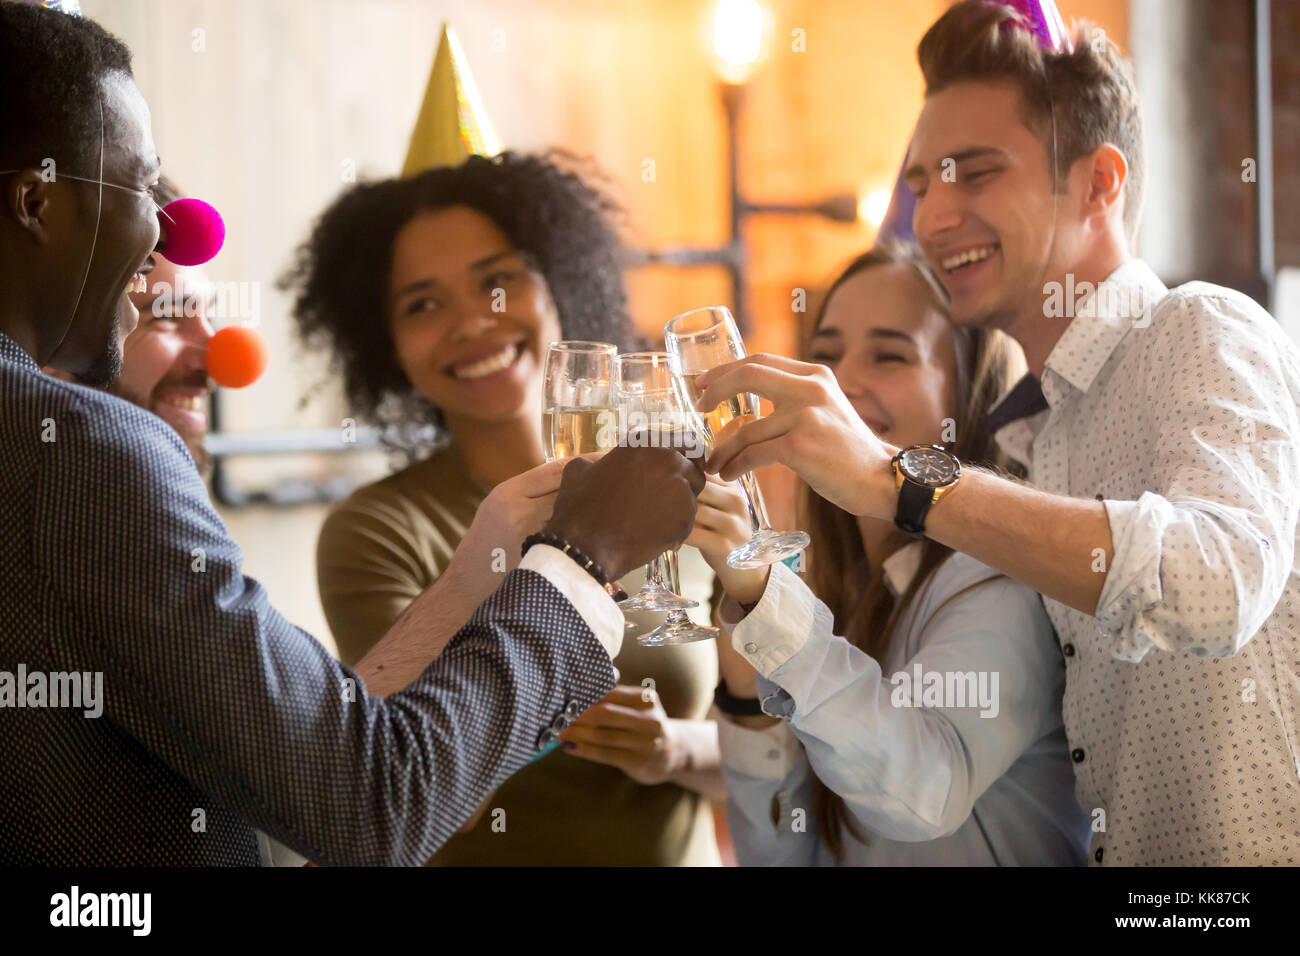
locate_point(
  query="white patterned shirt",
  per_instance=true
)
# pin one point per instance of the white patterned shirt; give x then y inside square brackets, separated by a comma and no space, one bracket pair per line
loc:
[1182,692]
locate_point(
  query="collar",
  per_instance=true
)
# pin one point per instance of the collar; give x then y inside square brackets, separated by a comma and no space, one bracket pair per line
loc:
[12,353]
[1102,317]
[901,567]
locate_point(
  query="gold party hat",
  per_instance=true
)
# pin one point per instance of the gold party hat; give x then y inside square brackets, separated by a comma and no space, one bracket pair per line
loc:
[452,125]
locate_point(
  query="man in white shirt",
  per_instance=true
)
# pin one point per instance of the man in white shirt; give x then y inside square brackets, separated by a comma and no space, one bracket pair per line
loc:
[1164,446]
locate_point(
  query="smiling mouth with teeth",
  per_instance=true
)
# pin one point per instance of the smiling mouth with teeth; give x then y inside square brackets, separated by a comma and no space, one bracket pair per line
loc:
[968,257]
[191,404]
[137,284]
[486,366]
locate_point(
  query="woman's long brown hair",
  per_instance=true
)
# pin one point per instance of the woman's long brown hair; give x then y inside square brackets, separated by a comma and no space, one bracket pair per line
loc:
[838,571]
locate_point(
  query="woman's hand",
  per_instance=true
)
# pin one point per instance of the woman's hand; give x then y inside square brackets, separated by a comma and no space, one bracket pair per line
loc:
[721,525]
[511,512]
[629,729]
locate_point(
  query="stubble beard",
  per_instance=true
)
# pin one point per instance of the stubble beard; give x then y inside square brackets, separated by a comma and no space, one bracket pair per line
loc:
[108,366]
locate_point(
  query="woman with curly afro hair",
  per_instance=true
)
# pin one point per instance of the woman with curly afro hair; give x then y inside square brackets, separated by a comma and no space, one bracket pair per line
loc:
[436,297]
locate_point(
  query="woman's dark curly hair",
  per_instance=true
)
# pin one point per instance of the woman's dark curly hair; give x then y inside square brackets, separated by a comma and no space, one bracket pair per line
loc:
[549,206]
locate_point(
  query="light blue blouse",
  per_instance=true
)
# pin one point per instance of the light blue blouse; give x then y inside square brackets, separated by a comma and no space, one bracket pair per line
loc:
[953,753]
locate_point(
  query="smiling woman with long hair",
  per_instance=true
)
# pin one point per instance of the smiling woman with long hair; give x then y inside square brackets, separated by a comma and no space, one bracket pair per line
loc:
[437,296]
[863,766]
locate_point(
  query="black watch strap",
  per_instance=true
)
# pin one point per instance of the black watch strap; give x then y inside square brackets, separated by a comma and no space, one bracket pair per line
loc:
[913,505]
[736,706]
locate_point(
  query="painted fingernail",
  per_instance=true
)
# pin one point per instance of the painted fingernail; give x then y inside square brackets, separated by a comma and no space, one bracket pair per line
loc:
[568,745]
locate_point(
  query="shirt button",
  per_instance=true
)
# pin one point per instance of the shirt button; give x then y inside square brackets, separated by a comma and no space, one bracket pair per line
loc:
[1068,650]
[1100,497]
[751,648]
[572,710]
[774,755]
[1097,856]
[1077,755]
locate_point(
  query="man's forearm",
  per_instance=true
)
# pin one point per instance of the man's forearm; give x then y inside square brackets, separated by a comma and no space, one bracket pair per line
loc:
[420,634]
[1057,545]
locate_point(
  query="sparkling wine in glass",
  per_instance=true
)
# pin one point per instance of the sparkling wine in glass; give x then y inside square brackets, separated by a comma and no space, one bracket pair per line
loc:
[577,389]
[697,341]
[577,415]
[649,414]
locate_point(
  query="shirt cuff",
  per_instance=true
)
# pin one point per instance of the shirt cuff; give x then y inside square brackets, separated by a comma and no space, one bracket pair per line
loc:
[779,625]
[1133,584]
[589,598]
[767,754]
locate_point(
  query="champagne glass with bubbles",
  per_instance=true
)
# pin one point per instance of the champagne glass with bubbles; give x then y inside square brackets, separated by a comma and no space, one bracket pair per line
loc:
[577,395]
[576,404]
[698,341]
[651,414]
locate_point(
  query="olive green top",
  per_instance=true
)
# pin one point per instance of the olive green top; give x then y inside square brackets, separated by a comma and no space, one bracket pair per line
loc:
[388,542]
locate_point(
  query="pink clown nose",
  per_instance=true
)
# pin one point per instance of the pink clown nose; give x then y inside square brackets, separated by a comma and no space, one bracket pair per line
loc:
[192,232]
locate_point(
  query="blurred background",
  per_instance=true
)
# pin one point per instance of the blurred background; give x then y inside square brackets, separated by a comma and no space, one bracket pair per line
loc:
[268,108]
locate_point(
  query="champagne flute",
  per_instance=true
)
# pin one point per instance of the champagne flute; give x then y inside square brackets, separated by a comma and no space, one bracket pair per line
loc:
[576,394]
[698,341]
[650,414]
[677,627]
[576,403]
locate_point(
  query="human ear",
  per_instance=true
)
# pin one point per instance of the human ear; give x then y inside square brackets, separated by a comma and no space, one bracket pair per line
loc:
[27,198]
[1109,172]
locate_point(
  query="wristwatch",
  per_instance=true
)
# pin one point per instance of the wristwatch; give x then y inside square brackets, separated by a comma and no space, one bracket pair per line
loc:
[922,474]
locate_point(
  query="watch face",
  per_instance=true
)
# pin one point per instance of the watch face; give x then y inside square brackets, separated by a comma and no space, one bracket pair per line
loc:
[928,466]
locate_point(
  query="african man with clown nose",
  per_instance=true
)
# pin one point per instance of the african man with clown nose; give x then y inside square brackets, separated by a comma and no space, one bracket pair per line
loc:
[212,700]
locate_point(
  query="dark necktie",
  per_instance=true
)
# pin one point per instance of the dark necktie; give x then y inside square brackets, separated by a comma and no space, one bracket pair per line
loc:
[1024,400]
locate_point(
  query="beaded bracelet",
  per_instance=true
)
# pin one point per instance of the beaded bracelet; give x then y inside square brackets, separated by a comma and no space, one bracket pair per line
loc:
[580,557]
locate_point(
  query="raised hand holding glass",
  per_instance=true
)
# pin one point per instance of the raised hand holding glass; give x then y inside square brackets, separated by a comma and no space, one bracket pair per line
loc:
[698,341]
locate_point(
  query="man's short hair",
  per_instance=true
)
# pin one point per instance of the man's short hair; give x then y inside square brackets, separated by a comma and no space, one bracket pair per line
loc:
[1090,91]
[51,65]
